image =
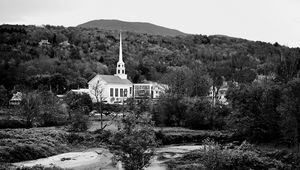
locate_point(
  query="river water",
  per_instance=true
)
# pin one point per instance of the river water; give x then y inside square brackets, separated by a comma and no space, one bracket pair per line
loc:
[99,158]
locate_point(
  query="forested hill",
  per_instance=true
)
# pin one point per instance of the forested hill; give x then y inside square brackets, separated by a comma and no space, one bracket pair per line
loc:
[25,63]
[137,27]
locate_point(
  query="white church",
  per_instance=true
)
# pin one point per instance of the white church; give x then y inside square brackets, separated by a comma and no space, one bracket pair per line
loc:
[117,88]
[112,88]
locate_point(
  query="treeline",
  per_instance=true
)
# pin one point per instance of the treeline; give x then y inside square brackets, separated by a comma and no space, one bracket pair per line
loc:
[26,64]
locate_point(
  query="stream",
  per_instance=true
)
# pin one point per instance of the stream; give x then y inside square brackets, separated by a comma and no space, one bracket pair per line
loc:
[99,158]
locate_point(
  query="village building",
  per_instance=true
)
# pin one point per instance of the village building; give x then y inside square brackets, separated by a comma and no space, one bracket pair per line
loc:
[148,90]
[64,44]
[16,99]
[218,95]
[44,43]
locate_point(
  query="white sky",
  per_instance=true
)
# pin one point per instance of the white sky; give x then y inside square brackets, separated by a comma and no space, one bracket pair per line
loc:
[263,20]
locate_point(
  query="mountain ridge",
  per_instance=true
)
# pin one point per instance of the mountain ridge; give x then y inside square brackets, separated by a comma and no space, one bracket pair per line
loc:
[137,27]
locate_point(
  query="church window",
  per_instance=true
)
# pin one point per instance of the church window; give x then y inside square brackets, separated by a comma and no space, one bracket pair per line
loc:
[116,92]
[125,92]
[123,71]
[111,92]
[118,71]
[121,93]
[119,65]
[130,90]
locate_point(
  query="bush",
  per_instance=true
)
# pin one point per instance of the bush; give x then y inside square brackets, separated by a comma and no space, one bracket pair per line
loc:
[102,135]
[81,102]
[12,124]
[79,122]
[190,112]
[214,157]
[75,138]
[134,144]
[26,144]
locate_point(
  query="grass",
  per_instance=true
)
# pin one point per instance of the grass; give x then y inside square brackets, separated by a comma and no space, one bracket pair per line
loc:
[177,135]
[27,144]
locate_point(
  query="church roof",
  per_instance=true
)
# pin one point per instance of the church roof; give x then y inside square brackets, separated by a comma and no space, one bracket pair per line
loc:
[113,79]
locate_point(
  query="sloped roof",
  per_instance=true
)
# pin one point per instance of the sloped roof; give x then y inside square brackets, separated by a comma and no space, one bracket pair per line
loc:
[16,97]
[113,79]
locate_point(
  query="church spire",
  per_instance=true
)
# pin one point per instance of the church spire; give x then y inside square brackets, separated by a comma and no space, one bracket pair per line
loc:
[120,49]
[120,70]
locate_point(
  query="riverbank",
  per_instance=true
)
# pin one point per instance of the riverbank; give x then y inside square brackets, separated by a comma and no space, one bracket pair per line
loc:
[19,145]
[101,158]
[179,135]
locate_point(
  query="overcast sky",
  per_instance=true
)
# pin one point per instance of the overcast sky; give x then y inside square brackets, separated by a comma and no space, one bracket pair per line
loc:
[263,20]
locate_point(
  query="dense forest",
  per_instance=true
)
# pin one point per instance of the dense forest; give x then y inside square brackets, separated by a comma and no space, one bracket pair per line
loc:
[62,66]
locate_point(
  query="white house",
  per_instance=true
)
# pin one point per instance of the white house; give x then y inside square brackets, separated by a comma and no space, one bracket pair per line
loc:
[218,96]
[111,88]
[44,43]
[16,99]
[149,90]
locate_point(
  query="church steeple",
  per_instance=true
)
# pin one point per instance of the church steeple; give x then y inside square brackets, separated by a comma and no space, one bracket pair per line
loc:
[120,50]
[120,70]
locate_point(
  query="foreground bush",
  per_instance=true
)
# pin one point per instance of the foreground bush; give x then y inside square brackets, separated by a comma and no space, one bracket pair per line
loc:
[215,157]
[79,122]
[134,144]
[26,144]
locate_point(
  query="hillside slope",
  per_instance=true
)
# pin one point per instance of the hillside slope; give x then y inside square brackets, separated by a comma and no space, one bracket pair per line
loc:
[24,62]
[137,27]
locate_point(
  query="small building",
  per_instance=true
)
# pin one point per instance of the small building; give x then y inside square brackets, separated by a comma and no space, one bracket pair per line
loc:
[218,95]
[64,44]
[148,90]
[16,99]
[44,43]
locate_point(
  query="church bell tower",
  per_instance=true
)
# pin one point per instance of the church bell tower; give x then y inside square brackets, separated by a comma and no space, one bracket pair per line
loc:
[120,70]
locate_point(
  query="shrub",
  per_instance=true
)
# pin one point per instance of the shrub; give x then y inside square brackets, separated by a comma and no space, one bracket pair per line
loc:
[134,144]
[79,122]
[102,135]
[13,123]
[26,144]
[74,138]
[214,157]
